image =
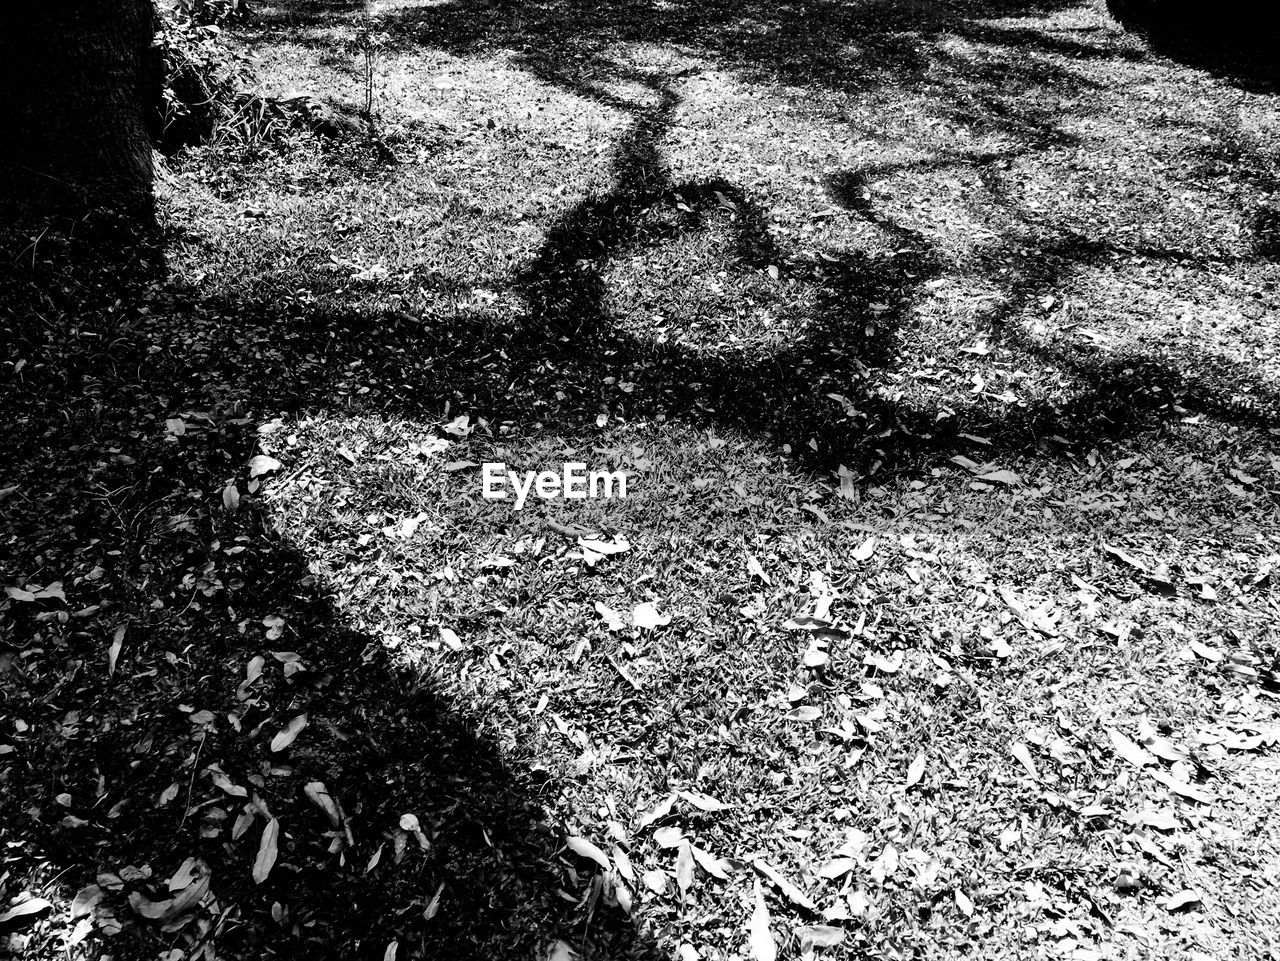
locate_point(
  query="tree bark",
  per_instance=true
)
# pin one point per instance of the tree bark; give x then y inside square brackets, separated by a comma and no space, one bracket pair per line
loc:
[78,79]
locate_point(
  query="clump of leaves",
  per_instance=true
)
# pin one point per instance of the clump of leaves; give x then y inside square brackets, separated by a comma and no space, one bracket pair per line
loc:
[204,79]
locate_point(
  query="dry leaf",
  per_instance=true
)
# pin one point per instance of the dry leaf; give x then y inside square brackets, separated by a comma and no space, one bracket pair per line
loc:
[113,652]
[786,887]
[684,867]
[713,865]
[584,848]
[267,849]
[763,947]
[646,617]
[1129,750]
[818,936]
[660,810]
[289,733]
[704,803]
[668,837]
[916,771]
[1023,756]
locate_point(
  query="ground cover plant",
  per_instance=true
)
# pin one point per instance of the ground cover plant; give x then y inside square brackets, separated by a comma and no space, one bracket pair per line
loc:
[939,344]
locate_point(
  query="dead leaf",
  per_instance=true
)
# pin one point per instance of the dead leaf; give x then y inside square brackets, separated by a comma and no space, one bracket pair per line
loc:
[763,947]
[684,867]
[267,849]
[703,802]
[786,887]
[819,936]
[714,866]
[613,621]
[1023,756]
[320,797]
[1182,900]
[646,617]
[24,912]
[113,652]
[837,868]
[1124,557]
[660,810]
[289,733]
[864,550]
[916,771]
[806,713]
[755,570]
[668,837]
[1006,477]
[1129,750]
[584,848]
[1182,788]
[263,464]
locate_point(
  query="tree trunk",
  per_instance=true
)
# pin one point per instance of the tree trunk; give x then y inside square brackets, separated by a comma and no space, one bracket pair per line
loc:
[78,79]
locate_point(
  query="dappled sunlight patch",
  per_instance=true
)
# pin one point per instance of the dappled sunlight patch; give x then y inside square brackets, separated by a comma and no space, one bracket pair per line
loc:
[977,607]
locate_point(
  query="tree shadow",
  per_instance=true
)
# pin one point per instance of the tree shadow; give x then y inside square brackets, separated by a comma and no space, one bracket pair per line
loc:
[1234,41]
[480,871]
[382,738]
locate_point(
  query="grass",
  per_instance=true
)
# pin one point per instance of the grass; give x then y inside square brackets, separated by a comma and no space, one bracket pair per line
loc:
[809,274]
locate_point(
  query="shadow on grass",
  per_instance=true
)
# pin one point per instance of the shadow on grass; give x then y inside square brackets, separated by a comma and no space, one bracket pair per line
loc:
[1236,40]
[491,877]
[381,738]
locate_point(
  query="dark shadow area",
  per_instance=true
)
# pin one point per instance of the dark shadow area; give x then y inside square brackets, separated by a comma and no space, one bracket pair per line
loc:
[489,877]
[1236,40]
[382,737]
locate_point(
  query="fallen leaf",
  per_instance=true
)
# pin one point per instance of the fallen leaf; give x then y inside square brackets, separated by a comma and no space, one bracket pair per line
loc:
[1182,788]
[289,733]
[806,713]
[786,887]
[684,867]
[584,848]
[1124,557]
[713,865]
[915,771]
[1181,900]
[1006,477]
[449,638]
[763,947]
[113,652]
[703,802]
[1129,750]
[646,617]
[659,811]
[613,621]
[755,570]
[668,837]
[837,868]
[85,899]
[263,464]
[267,849]
[819,936]
[24,912]
[864,550]
[1210,654]
[1023,756]
[320,797]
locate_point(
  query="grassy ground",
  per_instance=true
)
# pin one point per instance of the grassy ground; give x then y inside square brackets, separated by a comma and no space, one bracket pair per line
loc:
[939,342]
